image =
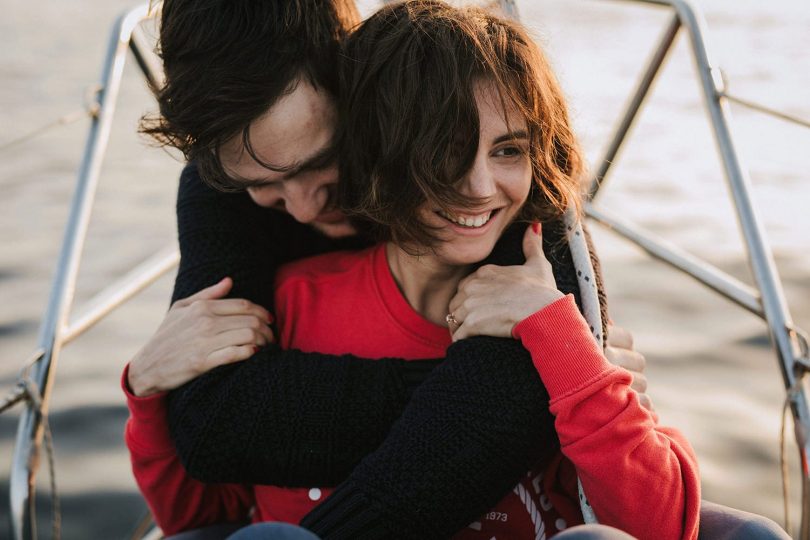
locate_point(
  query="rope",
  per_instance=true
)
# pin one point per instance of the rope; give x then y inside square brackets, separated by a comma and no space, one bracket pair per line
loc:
[91,108]
[580,254]
[28,390]
[35,398]
[792,392]
[14,397]
[767,110]
[783,464]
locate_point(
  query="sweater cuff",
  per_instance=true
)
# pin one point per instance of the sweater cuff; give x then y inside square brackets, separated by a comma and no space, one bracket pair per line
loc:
[563,350]
[346,514]
[147,428]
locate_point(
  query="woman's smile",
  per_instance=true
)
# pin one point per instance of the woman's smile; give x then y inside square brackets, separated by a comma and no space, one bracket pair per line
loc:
[500,178]
[466,223]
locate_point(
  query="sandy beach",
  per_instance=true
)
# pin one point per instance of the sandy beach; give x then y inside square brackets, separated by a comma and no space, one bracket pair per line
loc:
[711,370]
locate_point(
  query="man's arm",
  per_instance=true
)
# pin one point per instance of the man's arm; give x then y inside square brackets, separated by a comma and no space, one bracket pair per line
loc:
[324,414]
[226,423]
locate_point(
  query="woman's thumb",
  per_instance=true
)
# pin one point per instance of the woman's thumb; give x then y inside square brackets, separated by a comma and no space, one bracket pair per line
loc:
[533,244]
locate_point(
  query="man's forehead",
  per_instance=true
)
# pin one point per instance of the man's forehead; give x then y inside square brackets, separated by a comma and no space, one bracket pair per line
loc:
[294,134]
[248,167]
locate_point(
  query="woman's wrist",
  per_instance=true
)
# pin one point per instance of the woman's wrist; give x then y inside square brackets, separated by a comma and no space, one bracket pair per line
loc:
[138,382]
[536,304]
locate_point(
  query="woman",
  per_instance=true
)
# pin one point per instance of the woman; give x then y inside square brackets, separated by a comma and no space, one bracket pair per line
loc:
[454,128]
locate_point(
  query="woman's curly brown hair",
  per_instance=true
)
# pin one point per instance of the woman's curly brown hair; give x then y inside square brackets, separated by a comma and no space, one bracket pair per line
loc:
[409,120]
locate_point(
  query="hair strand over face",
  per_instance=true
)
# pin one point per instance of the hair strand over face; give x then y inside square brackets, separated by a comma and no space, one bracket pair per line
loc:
[409,118]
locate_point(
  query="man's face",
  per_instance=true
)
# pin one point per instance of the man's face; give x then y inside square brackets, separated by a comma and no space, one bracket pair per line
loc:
[296,171]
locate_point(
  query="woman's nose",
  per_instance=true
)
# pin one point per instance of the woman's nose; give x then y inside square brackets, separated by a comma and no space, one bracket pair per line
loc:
[480,180]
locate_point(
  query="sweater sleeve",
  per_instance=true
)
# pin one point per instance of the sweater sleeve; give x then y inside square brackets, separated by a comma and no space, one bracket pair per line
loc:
[608,435]
[295,419]
[254,402]
[177,501]
[471,431]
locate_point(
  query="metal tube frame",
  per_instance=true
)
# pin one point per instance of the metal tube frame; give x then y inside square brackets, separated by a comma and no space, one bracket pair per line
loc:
[767,301]
[55,331]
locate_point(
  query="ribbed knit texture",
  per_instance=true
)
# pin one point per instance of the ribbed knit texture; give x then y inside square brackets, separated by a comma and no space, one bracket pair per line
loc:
[472,428]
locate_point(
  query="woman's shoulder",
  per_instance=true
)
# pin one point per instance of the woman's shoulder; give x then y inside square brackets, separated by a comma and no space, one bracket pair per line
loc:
[326,267]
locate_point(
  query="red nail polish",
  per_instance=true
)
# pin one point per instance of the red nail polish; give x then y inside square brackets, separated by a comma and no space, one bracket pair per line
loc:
[255,349]
[536,228]
[270,318]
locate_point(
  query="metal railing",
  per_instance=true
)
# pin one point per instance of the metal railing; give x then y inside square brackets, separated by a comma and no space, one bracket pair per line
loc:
[767,299]
[57,329]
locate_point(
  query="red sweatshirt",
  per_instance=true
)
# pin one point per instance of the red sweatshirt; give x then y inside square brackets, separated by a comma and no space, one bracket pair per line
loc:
[351,304]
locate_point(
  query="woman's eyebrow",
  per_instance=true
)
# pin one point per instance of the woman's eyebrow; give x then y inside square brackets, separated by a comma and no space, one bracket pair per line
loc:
[511,136]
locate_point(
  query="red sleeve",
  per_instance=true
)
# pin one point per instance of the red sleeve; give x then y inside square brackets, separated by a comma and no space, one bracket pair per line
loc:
[638,476]
[177,501]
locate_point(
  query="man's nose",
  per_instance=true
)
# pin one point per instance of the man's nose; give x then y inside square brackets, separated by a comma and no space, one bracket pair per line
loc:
[269,196]
[304,200]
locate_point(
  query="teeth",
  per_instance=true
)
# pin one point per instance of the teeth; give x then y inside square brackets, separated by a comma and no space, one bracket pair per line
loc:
[465,221]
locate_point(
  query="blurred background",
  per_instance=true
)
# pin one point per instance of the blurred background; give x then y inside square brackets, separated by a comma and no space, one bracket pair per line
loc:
[711,370]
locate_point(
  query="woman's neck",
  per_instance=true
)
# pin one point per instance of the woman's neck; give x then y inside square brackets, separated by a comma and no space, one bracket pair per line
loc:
[427,284]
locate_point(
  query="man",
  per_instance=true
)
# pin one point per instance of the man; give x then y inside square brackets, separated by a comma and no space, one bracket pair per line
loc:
[252,103]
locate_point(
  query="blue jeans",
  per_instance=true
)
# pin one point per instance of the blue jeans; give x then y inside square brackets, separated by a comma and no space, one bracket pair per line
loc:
[717,522]
[274,531]
[241,531]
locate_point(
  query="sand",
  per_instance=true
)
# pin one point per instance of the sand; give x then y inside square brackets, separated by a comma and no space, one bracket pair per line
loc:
[711,370]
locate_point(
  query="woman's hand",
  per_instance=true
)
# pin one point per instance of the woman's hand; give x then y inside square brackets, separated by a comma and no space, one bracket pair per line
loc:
[493,299]
[620,352]
[198,334]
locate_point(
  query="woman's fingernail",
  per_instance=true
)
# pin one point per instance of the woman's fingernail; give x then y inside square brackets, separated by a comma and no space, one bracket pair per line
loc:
[255,349]
[536,227]
[270,318]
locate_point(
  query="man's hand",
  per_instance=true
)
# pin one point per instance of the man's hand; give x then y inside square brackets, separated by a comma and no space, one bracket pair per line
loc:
[620,352]
[198,334]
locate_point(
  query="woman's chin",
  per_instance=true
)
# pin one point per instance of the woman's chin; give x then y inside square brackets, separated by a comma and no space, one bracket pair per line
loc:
[465,256]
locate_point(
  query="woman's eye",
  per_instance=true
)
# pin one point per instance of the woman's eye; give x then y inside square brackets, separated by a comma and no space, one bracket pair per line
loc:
[508,151]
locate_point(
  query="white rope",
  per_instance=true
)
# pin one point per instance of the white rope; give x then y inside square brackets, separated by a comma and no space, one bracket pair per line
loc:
[591,309]
[537,519]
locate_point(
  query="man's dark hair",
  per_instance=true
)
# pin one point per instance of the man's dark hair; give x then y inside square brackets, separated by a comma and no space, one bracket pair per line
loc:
[228,61]
[409,119]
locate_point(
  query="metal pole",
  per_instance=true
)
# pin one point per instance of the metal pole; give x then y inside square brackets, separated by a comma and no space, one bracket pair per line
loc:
[147,60]
[634,105]
[710,276]
[29,433]
[510,9]
[774,307]
[760,258]
[122,290]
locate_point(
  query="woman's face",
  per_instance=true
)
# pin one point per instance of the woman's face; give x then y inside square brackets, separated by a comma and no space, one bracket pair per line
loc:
[501,175]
